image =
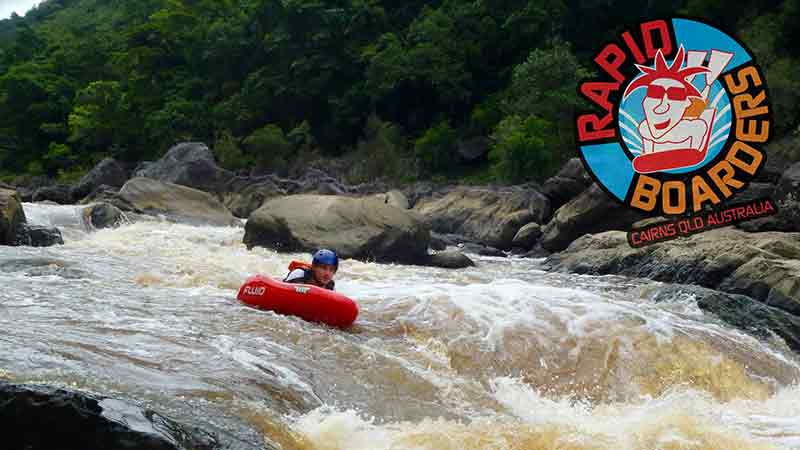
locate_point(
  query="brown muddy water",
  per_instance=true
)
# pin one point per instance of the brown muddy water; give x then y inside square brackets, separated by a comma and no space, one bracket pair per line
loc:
[499,356]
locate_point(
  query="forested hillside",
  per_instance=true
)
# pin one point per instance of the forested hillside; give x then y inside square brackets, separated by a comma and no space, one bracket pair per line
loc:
[404,89]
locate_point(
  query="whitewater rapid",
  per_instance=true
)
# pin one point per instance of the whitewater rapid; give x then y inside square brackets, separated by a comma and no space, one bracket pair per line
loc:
[499,356]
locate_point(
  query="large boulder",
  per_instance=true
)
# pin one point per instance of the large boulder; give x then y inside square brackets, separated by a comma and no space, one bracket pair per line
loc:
[175,202]
[592,211]
[764,266]
[59,193]
[491,216]
[249,198]
[567,184]
[11,216]
[110,195]
[107,172]
[394,198]
[189,164]
[44,418]
[362,228]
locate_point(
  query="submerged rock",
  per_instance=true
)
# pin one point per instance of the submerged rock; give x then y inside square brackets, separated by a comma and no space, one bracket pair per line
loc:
[450,259]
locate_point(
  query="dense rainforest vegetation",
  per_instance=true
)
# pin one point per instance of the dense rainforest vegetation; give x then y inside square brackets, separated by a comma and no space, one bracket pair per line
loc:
[396,87]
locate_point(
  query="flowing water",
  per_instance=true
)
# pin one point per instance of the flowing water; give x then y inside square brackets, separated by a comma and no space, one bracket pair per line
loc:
[500,356]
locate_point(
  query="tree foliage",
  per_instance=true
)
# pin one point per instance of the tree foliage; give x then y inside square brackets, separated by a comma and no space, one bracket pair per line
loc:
[385,80]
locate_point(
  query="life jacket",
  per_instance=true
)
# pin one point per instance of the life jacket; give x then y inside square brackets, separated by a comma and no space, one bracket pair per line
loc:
[307,276]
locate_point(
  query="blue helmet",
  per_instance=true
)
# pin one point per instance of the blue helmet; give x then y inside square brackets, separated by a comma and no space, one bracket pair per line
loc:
[325,256]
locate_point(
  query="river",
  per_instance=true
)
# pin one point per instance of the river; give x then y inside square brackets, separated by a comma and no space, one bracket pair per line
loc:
[499,356]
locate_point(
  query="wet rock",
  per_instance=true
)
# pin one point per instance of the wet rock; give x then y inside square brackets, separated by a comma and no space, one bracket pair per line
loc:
[103,215]
[491,216]
[739,311]
[45,418]
[36,236]
[570,181]
[108,172]
[527,236]
[189,164]
[418,191]
[450,259]
[60,193]
[592,211]
[764,266]
[175,202]
[362,228]
[11,216]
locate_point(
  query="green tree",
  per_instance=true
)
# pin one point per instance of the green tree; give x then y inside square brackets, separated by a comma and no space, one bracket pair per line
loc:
[436,148]
[521,149]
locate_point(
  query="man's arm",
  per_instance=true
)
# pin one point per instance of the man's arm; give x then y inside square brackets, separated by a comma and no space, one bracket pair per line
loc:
[295,276]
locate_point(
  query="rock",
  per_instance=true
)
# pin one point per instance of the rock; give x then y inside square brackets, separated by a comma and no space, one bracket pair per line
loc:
[567,184]
[777,282]
[242,203]
[593,211]
[450,259]
[764,266]
[417,191]
[60,193]
[107,172]
[738,311]
[36,236]
[394,198]
[789,183]
[491,216]
[362,228]
[11,216]
[473,149]
[437,243]
[103,215]
[527,236]
[537,252]
[44,418]
[189,164]
[176,202]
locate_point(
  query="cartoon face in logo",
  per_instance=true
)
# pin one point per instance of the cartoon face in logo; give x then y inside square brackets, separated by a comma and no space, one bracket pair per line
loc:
[677,117]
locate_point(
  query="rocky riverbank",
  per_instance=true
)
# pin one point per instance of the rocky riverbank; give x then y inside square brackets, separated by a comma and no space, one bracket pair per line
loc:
[567,219]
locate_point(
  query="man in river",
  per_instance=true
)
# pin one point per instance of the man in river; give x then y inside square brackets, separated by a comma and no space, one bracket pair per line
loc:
[323,267]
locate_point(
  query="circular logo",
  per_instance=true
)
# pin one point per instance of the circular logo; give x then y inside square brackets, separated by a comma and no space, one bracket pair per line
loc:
[682,115]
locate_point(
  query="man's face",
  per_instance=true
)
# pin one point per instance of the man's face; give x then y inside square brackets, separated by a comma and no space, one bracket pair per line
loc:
[323,273]
[664,105]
